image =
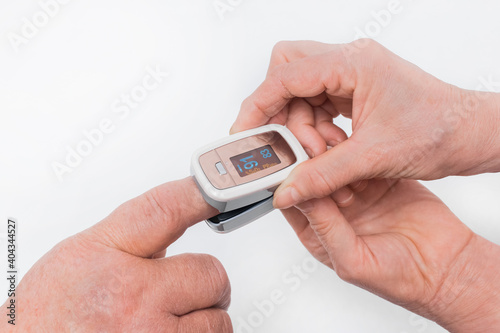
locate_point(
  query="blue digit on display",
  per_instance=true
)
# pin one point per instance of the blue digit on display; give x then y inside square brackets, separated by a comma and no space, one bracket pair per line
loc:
[244,160]
[265,153]
[249,164]
[254,160]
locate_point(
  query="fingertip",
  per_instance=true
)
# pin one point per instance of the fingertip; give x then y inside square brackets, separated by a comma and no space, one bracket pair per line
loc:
[281,200]
[331,133]
[359,186]
[301,122]
[236,127]
[286,198]
[309,152]
[343,197]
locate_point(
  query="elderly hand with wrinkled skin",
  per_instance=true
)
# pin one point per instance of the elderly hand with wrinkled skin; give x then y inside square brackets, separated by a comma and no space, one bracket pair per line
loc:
[405,122]
[113,277]
[399,241]
[393,238]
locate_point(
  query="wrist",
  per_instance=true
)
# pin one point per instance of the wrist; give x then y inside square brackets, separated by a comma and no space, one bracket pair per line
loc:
[469,298]
[476,138]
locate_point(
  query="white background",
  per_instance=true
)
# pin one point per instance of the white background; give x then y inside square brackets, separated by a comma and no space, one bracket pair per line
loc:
[64,80]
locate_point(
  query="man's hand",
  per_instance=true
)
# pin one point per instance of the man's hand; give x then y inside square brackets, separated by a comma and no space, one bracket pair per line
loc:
[405,122]
[402,243]
[113,277]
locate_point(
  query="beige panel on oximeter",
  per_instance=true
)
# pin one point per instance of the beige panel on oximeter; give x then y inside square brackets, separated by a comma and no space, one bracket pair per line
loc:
[238,174]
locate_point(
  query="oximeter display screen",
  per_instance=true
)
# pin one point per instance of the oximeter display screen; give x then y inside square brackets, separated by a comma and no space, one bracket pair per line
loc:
[255,160]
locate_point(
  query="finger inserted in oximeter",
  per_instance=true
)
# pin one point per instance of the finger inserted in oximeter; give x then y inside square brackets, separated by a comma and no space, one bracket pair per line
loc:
[239,174]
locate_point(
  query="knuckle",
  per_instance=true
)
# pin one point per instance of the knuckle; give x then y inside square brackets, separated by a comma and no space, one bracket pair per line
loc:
[209,322]
[350,272]
[367,43]
[217,273]
[281,47]
[345,273]
[370,43]
[247,104]
[368,51]
[221,282]
[226,326]
[275,74]
[244,104]
[250,104]
[221,324]
[216,321]
[278,75]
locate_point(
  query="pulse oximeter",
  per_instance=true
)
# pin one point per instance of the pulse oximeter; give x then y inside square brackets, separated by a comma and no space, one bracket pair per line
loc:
[239,174]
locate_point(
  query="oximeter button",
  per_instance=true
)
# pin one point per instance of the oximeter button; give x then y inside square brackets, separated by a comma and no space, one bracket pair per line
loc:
[220,168]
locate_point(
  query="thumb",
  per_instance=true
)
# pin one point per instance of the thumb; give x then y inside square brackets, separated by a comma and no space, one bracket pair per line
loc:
[323,175]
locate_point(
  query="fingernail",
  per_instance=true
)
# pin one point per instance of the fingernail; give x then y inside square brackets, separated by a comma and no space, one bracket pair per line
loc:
[356,184]
[286,198]
[359,186]
[345,201]
[332,143]
[309,152]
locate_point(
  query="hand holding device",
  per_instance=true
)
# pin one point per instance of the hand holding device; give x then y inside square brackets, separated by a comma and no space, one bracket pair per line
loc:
[399,241]
[405,122]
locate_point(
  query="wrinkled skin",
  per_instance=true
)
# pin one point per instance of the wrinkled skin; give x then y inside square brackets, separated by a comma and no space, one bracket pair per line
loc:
[399,241]
[113,277]
[405,122]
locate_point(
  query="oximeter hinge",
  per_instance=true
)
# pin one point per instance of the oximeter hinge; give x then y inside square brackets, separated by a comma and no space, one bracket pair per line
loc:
[234,219]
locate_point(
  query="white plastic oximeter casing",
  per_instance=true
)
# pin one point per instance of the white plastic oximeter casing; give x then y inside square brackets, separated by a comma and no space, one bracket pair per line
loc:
[239,174]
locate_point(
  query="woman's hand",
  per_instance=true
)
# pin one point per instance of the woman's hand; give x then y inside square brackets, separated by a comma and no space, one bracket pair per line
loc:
[405,122]
[401,242]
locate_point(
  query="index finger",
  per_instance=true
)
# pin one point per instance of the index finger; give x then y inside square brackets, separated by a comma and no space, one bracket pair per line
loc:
[199,280]
[151,222]
[329,72]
